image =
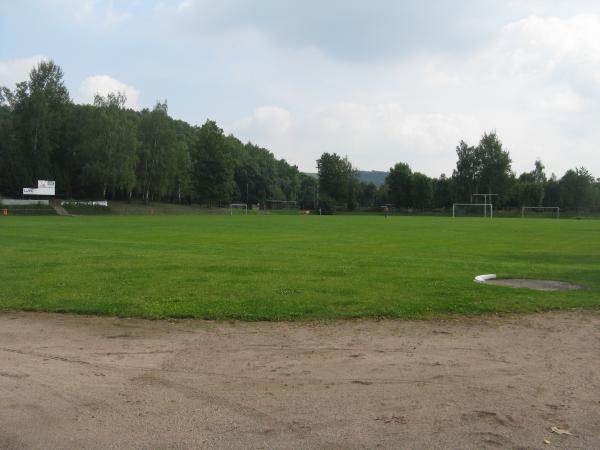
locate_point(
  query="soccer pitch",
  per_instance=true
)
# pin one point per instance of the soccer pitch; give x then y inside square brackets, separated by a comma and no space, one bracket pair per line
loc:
[292,267]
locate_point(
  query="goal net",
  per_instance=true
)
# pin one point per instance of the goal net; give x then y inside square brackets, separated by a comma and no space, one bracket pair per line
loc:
[472,210]
[238,209]
[548,212]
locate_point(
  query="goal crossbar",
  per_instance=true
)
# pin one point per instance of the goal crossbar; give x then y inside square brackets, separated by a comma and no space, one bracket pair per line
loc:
[550,208]
[485,205]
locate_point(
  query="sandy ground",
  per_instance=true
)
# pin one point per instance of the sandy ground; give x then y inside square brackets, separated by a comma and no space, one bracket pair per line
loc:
[89,382]
[538,285]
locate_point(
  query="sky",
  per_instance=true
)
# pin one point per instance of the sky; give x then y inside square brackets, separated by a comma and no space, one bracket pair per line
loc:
[379,81]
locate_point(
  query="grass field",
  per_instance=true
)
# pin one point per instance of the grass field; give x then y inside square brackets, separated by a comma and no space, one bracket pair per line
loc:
[291,267]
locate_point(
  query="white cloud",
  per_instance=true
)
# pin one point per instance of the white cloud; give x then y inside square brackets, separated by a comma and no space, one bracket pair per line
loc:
[270,120]
[376,135]
[373,135]
[84,9]
[537,83]
[104,85]
[16,70]
[184,5]
[563,100]
[544,43]
[92,12]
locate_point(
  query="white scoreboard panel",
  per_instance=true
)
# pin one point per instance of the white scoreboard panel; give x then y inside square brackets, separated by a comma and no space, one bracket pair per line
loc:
[45,187]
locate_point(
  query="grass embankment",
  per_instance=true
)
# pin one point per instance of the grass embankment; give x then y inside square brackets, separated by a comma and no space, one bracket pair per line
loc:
[291,267]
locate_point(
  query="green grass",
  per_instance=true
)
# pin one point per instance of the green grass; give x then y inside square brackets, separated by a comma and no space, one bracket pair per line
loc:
[291,267]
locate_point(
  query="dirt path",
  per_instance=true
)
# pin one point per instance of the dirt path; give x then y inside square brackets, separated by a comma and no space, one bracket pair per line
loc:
[89,382]
[60,210]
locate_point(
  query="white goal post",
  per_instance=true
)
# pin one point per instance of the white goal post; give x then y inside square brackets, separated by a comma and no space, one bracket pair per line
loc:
[541,209]
[485,205]
[243,207]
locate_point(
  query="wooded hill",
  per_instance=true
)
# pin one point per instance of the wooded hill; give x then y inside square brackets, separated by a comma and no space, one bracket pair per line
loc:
[106,151]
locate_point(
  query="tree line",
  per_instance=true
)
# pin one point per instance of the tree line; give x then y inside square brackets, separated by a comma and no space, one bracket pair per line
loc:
[482,169]
[107,151]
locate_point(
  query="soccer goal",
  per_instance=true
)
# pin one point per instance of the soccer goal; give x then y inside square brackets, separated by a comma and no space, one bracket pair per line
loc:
[238,209]
[541,211]
[472,209]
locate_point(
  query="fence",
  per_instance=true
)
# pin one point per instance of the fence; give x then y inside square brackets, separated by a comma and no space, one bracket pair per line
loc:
[22,202]
[19,211]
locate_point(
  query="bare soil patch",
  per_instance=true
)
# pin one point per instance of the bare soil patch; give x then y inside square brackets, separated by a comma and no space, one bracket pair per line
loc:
[538,285]
[92,382]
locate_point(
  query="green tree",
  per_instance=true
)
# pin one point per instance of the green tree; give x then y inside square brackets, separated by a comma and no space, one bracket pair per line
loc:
[494,166]
[442,188]
[530,186]
[308,191]
[576,188]
[112,144]
[552,192]
[595,201]
[180,185]
[466,174]
[366,194]
[399,182]
[212,165]
[11,176]
[156,162]
[337,179]
[39,108]
[182,180]
[421,191]
[485,169]
[382,196]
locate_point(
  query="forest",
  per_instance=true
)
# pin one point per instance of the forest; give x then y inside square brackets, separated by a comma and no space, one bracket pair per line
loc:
[107,151]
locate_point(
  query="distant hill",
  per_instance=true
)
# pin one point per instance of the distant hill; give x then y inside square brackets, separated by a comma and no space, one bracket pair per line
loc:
[377,177]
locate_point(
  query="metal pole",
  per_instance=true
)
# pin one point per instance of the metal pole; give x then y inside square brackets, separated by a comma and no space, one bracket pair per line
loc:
[484,205]
[485,200]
